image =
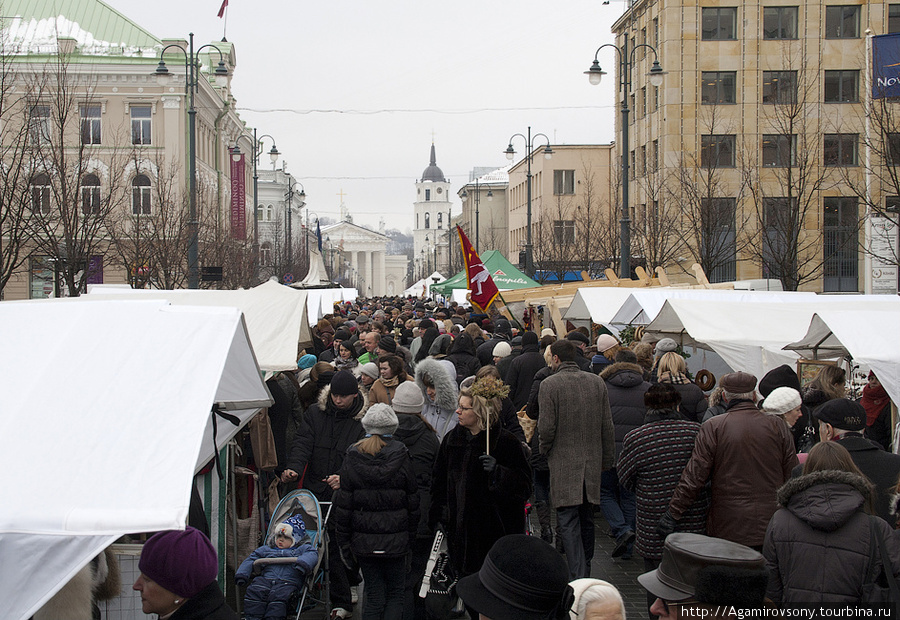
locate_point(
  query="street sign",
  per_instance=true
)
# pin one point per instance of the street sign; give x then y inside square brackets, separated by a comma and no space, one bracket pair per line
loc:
[288,278]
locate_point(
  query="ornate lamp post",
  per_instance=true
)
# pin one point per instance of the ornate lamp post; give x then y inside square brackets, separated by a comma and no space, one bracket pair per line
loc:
[529,154]
[273,157]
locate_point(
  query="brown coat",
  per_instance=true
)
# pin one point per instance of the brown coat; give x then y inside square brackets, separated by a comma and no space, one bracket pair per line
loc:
[746,455]
[576,433]
[378,393]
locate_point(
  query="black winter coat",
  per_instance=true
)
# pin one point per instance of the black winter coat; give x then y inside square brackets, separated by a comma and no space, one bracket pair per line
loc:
[521,374]
[626,387]
[323,440]
[510,421]
[533,411]
[485,351]
[462,355]
[208,604]
[475,507]
[817,545]
[423,447]
[376,510]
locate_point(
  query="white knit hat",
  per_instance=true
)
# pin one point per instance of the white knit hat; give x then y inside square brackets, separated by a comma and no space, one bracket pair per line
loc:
[547,332]
[380,419]
[502,349]
[408,398]
[605,342]
[370,369]
[781,400]
[666,345]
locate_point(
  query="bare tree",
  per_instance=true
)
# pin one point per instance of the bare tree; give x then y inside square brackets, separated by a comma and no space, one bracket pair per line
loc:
[553,237]
[656,223]
[595,240]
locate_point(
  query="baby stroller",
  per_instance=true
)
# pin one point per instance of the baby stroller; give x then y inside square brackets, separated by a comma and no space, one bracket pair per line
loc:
[304,504]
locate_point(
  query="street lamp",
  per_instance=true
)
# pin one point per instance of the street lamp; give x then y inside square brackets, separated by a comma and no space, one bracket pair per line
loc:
[529,154]
[273,157]
[289,196]
[595,73]
[465,196]
[191,67]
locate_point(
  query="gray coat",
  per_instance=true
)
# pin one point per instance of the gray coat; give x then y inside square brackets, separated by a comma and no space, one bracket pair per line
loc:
[576,433]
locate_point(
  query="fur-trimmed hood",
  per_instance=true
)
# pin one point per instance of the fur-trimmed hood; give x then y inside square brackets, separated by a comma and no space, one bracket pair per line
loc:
[624,368]
[324,401]
[825,500]
[443,379]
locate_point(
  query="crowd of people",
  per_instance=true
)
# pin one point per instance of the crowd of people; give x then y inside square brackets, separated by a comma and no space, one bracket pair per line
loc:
[406,415]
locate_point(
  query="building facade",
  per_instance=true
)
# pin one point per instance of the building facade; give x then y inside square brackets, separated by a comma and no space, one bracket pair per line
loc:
[283,246]
[485,214]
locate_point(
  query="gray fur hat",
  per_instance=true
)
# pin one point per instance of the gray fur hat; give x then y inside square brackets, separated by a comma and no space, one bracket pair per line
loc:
[380,419]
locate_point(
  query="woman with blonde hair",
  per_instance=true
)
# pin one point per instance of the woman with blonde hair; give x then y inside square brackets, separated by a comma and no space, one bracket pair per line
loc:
[828,384]
[673,370]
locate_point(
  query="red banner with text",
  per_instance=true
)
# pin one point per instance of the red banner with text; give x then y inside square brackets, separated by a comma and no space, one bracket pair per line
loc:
[238,198]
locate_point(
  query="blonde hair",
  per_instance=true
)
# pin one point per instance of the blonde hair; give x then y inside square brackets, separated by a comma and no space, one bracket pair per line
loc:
[671,363]
[644,353]
[611,352]
[371,445]
[485,409]
[474,331]
[830,380]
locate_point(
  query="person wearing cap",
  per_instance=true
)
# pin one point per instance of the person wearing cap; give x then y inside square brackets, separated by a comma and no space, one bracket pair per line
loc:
[705,572]
[607,348]
[178,577]
[376,512]
[368,374]
[666,345]
[522,578]
[843,421]
[581,343]
[329,428]
[421,441]
[333,352]
[817,544]
[501,355]
[745,455]
[502,333]
[577,434]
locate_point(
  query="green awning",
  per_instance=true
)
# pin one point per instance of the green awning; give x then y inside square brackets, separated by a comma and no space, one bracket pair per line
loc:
[506,276]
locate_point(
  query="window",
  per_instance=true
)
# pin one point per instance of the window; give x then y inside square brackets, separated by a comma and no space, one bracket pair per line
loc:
[842,86]
[655,32]
[654,156]
[779,215]
[90,124]
[633,117]
[840,232]
[643,101]
[40,194]
[39,125]
[417,220]
[563,182]
[564,232]
[140,195]
[780,22]
[892,149]
[140,124]
[644,159]
[719,245]
[842,22]
[265,254]
[893,18]
[42,278]
[631,170]
[779,150]
[717,151]
[427,197]
[90,194]
[718,87]
[440,220]
[840,149]
[427,218]
[719,23]
[779,87]
[656,97]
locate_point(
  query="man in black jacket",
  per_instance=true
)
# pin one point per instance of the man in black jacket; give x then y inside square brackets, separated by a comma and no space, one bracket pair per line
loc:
[581,342]
[502,333]
[522,370]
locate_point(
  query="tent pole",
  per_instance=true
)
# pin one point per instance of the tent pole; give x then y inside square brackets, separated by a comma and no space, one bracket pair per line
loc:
[234,536]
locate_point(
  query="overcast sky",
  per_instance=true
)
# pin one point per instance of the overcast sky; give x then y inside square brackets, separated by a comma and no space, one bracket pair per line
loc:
[352,90]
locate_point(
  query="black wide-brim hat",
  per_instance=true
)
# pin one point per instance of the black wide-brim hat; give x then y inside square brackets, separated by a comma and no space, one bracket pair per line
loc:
[522,578]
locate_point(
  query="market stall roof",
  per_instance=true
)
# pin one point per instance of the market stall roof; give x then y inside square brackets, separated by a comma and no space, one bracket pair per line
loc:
[598,305]
[274,315]
[110,401]
[424,283]
[320,301]
[506,276]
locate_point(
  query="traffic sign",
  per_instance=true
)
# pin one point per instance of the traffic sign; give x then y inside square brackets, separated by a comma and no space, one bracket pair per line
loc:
[288,278]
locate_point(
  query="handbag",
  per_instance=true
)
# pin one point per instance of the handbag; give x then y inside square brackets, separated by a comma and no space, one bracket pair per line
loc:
[880,587]
[439,584]
[262,441]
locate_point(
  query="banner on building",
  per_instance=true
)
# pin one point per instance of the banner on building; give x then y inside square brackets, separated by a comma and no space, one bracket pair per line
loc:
[238,196]
[484,291]
[886,66]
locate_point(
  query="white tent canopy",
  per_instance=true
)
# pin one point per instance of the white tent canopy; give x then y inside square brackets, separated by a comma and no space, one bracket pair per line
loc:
[320,301]
[274,315]
[598,305]
[110,402]
[416,290]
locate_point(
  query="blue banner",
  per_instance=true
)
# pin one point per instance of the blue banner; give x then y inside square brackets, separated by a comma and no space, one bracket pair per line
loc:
[318,235]
[886,66]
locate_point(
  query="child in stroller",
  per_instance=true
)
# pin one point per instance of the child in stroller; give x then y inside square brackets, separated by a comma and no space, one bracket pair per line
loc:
[294,557]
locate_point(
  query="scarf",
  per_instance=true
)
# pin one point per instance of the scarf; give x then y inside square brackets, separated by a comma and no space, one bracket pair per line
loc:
[873,401]
[674,378]
[390,383]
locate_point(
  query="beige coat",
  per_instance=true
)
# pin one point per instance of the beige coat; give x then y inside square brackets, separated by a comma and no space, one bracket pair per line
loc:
[576,433]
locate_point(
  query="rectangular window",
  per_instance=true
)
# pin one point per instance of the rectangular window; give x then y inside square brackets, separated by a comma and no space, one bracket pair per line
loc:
[90,124]
[842,22]
[893,18]
[840,232]
[90,194]
[643,101]
[563,182]
[892,149]
[779,150]
[719,23]
[42,278]
[633,108]
[655,32]
[779,87]
[141,124]
[719,245]
[780,22]
[427,194]
[840,149]
[718,87]
[655,155]
[631,171]
[717,151]
[780,226]
[644,159]
[40,194]
[39,125]
[842,86]
[564,232]
[656,97]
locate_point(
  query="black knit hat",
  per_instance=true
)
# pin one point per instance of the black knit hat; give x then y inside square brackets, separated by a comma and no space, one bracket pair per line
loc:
[342,334]
[387,344]
[529,338]
[344,384]
[783,376]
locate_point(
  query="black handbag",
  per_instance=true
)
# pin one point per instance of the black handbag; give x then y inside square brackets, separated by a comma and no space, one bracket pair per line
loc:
[880,585]
[441,600]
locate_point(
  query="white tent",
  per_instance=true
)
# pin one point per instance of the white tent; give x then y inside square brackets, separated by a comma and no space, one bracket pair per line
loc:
[320,301]
[416,290]
[105,417]
[598,305]
[274,315]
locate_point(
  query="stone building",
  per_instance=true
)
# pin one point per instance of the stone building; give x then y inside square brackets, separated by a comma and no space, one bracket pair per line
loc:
[432,213]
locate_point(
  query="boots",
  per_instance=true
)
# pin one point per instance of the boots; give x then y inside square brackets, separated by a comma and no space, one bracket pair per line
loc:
[543,513]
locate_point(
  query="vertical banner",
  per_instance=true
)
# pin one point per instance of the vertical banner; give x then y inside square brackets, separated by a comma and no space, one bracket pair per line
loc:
[883,249]
[886,66]
[484,291]
[238,196]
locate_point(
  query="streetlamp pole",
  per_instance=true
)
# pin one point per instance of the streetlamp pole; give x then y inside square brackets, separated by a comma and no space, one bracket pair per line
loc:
[510,154]
[273,155]
[288,216]
[595,73]
[191,62]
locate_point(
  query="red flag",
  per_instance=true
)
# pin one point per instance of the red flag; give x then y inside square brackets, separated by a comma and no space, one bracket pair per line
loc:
[222,9]
[484,291]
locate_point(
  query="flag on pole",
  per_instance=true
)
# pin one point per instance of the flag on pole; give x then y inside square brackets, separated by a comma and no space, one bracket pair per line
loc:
[484,291]
[222,8]
[319,236]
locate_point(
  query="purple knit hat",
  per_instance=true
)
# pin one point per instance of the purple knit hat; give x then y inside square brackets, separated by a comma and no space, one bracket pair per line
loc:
[182,562]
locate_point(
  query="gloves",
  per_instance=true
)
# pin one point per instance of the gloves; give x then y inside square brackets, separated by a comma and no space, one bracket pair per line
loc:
[666,525]
[488,462]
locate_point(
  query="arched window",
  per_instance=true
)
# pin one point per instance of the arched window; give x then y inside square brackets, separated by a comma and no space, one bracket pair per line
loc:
[265,254]
[427,220]
[440,219]
[417,220]
[40,194]
[270,213]
[140,195]
[90,194]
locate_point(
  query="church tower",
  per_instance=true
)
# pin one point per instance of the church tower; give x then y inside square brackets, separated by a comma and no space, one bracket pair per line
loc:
[432,220]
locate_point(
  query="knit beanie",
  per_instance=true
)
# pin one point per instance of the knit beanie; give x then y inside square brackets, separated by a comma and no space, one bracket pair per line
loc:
[380,419]
[408,398]
[324,379]
[182,562]
[529,338]
[605,342]
[781,400]
[666,345]
[502,349]
[344,384]
[307,361]
[387,344]
[547,332]
[342,334]
[370,369]
[784,375]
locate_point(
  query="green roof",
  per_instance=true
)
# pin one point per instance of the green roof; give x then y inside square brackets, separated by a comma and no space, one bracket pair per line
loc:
[505,275]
